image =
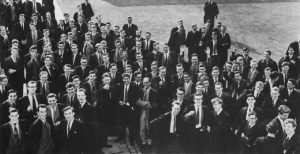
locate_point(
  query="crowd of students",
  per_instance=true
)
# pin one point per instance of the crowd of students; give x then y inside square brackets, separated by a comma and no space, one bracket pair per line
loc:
[66,86]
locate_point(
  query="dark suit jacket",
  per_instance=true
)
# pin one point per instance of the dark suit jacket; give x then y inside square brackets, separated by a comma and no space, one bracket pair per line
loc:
[4,112]
[280,135]
[86,114]
[66,102]
[292,145]
[50,88]
[163,91]
[131,97]
[5,135]
[136,67]
[176,39]
[148,49]
[291,101]
[35,134]
[251,134]
[75,141]
[192,41]
[211,9]
[79,71]
[18,76]
[23,103]
[130,31]
[52,76]
[154,57]
[269,109]
[30,39]
[263,63]
[241,116]
[229,103]
[267,144]
[87,10]
[170,64]
[28,9]
[76,62]
[206,117]
[3,95]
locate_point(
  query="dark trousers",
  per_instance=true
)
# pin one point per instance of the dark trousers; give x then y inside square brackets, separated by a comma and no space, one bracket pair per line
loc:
[129,118]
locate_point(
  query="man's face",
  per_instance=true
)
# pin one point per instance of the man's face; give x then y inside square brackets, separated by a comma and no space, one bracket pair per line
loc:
[87,37]
[106,80]
[139,57]
[67,69]
[253,64]
[128,70]
[223,29]
[118,45]
[74,49]
[3,30]
[274,94]
[52,101]
[194,27]
[92,77]
[237,77]
[290,85]
[162,72]
[129,20]
[199,88]
[285,68]
[153,67]
[44,77]
[42,112]
[166,48]
[179,95]
[146,83]
[14,52]
[122,34]
[198,99]
[138,45]
[69,115]
[176,109]
[14,117]
[186,78]
[47,61]
[267,55]
[81,96]
[202,69]
[283,116]
[113,69]
[71,90]
[179,70]
[215,73]
[206,84]
[117,29]
[218,89]
[83,62]
[126,80]
[217,106]
[12,97]
[22,18]
[156,47]
[252,119]
[138,78]
[4,82]
[289,129]
[61,47]
[250,101]
[76,82]
[46,33]
[32,27]
[180,23]
[80,19]
[105,59]
[148,36]
[246,53]
[31,88]
[291,51]
[48,15]
[194,60]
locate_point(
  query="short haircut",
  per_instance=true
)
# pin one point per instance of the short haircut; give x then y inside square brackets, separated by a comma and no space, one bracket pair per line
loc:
[271,128]
[269,52]
[75,77]
[181,89]
[33,47]
[44,106]
[12,110]
[43,73]
[293,81]
[253,113]
[51,95]
[68,108]
[11,91]
[81,90]
[216,100]
[137,73]
[31,82]
[219,84]
[69,85]
[161,68]
[282,109]
[291,121]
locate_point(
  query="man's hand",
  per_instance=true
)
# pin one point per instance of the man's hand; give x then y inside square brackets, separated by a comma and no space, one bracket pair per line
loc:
[11,71]
[29,108]
[121,103]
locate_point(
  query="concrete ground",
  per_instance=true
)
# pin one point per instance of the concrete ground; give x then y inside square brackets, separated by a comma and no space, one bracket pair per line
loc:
[259,26]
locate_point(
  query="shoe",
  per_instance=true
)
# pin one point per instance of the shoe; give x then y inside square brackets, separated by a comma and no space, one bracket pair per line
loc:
[107,145]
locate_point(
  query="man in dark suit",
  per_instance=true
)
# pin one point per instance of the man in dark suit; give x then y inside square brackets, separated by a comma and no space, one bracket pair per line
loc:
[285,74]
[283,114]
[86,113]
[267,62]
[291,141]
[138,80]
[64,78]
[76,57]
[291,97]
[193,40]
[220,128]
[20,29]
[225,45]
[54,109]
[18,6]
[162,84]
[140,64]
[127,101]
[50,68]
[83,70]
[4,88]
[257,92]
[122,64]
[115,75]
[72,134]
[199,120]
[60,29]
[148,44]
[27,105]
[44,87]
[32,64]
[177,79]
[268,144]
[103,67]
[130,28]
[32,7]
[238,86]
[5,41]
[155,55]
[6,105]
[14,69]
[14,134]
[168,59]
[70,98]
[214,47]
[65,55]
[249,131]
[50,23]
[169,129]
[91,87]
[244,113]
[33,36]
[177,38]
[41,133]
[271,104]
[211,12]
[253,74]
[88,12]
[216,76]
[125,41]
[82,28]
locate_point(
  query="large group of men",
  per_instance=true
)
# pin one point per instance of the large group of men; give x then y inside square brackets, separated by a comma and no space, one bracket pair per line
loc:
[66,85]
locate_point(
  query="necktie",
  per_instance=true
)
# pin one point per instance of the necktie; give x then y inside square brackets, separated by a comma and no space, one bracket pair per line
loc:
[197,116]
[22,24]
[68,128]
[34,7]
[43,89]
[125,94]
[33,38]
[129,26]
[33,104]
[16,133]
[173,124]
[147,45]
